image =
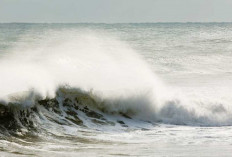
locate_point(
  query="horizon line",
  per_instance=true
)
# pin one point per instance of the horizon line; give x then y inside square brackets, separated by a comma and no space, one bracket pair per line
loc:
[109,22]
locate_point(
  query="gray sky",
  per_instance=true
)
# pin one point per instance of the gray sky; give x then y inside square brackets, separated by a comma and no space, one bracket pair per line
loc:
[115,11]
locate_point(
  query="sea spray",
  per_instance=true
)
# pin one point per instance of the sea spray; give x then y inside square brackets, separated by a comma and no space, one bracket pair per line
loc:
[82,60]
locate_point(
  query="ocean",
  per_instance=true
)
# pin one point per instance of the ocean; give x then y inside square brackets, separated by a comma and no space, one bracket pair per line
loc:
[149,89]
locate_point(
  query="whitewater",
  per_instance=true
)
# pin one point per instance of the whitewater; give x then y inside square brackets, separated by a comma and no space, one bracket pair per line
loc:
[160,89]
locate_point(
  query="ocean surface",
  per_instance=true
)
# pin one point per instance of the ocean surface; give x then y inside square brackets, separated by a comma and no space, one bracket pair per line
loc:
[162,89]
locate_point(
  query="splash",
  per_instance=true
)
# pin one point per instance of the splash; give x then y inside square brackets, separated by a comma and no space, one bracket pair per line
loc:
[112,72]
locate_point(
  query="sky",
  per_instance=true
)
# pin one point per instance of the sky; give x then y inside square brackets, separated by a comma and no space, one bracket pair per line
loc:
[115,11]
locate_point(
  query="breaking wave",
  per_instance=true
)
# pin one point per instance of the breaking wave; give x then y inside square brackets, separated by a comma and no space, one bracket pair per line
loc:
[90,80]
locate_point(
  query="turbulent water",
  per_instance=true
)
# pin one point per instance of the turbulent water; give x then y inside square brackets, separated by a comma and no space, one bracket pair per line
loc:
[159,89]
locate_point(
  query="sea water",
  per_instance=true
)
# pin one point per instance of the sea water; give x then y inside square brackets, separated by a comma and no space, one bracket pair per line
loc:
[149,89]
